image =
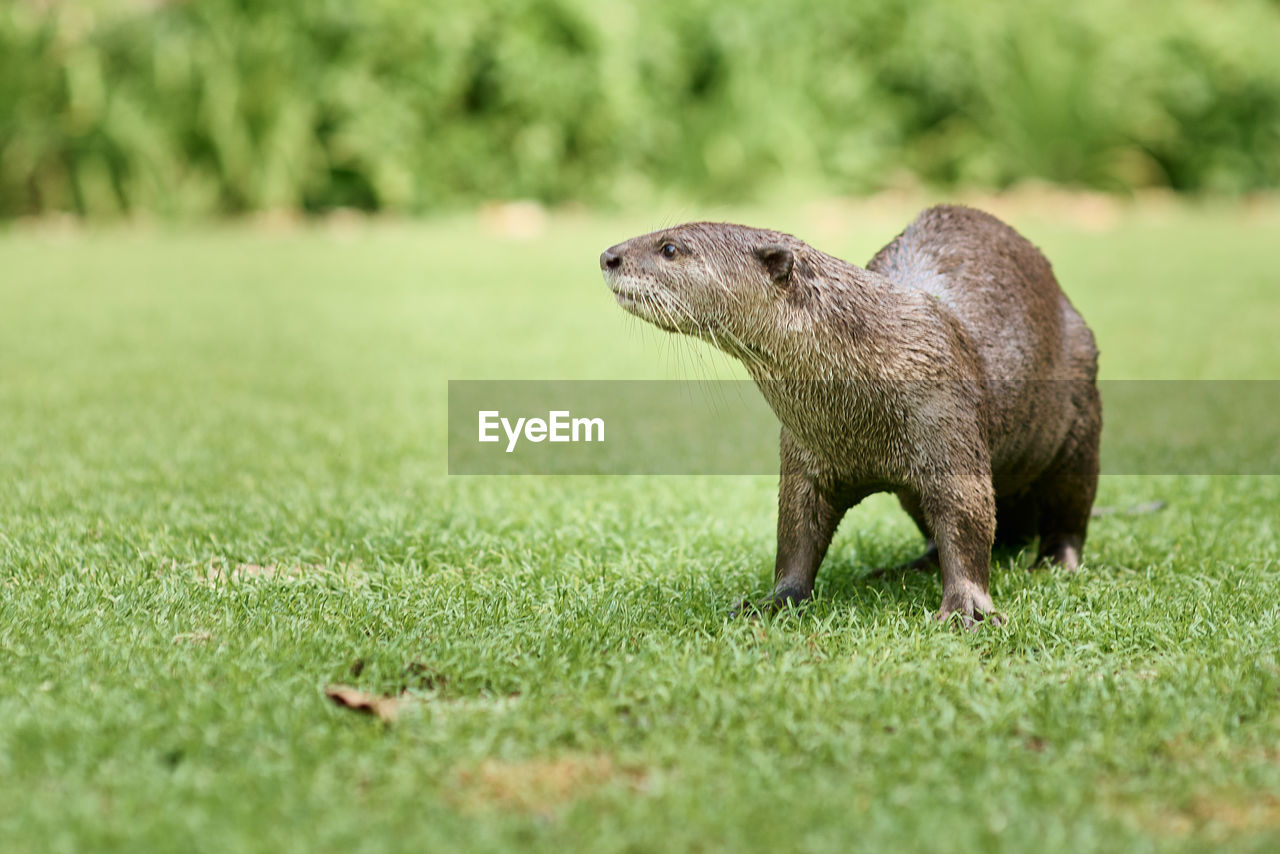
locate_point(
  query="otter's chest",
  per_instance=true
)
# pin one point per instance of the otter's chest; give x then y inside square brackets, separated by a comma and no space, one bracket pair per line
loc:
[845,430]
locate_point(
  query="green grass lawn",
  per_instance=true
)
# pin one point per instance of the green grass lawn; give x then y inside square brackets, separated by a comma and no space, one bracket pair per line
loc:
[222,489]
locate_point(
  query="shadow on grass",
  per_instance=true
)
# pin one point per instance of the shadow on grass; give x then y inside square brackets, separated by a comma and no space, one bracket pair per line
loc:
[846,580]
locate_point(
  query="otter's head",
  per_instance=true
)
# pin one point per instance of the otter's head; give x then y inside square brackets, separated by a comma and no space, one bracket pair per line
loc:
[727,284]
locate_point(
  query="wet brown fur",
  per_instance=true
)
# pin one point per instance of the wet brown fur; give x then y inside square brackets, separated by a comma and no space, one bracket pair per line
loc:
[952,371]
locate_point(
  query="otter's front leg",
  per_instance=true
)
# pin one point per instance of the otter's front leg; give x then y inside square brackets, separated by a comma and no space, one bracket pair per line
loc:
[807,520]
[962,514]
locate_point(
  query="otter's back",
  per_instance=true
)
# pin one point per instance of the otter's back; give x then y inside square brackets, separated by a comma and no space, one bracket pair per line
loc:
[997,284]
[1030,338]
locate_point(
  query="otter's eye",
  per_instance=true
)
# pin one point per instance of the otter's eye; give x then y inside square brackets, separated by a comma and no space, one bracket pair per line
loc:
[668,250]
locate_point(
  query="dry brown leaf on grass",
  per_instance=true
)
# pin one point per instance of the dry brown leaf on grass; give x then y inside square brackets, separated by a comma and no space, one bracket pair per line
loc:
[384,708]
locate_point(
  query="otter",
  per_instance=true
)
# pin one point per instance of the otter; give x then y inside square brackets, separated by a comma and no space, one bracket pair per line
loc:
[952,371]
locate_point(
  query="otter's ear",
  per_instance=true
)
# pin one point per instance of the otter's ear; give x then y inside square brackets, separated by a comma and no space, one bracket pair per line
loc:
[778,260]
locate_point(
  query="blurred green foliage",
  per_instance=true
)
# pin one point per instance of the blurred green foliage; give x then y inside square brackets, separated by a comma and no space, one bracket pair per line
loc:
[226,106]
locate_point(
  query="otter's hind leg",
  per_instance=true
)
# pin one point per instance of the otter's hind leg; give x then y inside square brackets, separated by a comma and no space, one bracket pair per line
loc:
[927,562]
[1065,494]
[1017,520]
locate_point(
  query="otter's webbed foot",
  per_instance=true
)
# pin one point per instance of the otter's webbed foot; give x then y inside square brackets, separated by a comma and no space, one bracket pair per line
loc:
[779,600]
[972,604]
[1060,550]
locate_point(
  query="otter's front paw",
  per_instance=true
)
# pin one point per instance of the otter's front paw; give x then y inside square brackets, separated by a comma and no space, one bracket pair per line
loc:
[778,600]
[751,608]
[974,607]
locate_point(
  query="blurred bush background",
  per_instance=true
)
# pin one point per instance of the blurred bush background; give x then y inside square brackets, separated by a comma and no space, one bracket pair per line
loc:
[230,106]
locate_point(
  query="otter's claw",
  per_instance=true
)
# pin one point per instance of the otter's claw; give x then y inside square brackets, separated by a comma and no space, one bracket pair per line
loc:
[975,620]
[771,604]
[974,607]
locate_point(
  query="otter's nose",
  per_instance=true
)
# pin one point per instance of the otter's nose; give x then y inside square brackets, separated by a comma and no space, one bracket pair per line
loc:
[610,259]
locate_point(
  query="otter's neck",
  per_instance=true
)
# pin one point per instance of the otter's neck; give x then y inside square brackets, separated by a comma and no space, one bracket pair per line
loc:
[836,324]
[828,368]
